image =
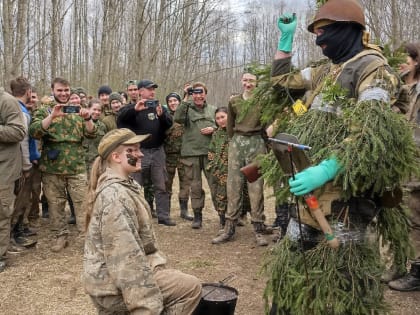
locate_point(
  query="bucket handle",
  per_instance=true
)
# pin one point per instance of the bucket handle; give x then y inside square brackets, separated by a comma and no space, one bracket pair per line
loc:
[220,283]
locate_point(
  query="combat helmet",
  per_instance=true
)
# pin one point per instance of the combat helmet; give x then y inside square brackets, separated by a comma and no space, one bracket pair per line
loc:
[340,11]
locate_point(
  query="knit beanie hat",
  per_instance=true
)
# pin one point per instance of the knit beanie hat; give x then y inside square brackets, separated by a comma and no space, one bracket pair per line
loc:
[173,94]
[115,96]
[104,89]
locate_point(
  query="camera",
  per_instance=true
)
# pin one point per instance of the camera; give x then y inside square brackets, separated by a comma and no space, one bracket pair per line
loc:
[71,109]
[151,103]
[192,91]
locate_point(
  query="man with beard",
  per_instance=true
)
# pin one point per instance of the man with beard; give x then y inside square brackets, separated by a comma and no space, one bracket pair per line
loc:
[62,129]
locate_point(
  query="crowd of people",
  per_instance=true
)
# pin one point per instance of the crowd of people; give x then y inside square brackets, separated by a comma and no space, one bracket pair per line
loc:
[113,160]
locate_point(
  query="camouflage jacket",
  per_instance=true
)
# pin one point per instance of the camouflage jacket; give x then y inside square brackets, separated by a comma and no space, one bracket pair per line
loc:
[173,141]
[218,155]
[120,248]
[91,144]
[62,149]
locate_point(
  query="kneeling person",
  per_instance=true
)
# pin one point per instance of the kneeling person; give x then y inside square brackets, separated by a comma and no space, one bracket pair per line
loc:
[123,269]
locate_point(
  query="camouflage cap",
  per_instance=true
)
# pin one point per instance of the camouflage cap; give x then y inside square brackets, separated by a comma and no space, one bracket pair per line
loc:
[114,96]
[118,137]
[81,90]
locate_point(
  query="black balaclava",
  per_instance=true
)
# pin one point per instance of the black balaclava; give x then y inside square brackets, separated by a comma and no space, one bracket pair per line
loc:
[343,41]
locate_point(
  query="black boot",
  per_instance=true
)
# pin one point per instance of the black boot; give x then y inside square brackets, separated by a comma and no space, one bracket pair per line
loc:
[282,219]
[72,219]
[411,282]
[198,219]
[19,238]
[44,206]
[183,205]
[222,220]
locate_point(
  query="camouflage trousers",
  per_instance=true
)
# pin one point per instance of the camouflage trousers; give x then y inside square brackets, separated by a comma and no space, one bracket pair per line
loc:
[194,167]
[242,151]
[173,163]
[7,199]
[181,294]
[220,194]
[55,190]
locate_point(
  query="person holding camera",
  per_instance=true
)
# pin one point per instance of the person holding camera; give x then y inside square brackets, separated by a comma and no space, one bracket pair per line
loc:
[148,116]
[197,117]
[62,128]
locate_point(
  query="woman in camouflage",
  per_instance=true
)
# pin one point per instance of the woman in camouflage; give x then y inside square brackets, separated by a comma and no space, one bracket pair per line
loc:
[124,271]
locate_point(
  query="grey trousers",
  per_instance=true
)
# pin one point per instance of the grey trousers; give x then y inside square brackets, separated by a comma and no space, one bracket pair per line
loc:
[153,172]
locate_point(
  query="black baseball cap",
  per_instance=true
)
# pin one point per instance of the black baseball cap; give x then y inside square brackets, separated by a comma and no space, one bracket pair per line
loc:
[146,84]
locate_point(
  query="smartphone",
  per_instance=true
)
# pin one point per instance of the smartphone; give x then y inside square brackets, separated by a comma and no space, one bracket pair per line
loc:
[71,109]
[151,103]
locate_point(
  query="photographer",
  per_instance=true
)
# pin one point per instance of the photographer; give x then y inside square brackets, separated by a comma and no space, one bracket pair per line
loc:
[148,116]
[62,128]
[198,120]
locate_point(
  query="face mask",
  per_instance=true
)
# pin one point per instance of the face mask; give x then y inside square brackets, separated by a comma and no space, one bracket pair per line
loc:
[342,40]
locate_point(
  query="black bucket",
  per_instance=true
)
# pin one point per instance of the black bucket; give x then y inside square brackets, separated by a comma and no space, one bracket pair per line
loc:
[217,299]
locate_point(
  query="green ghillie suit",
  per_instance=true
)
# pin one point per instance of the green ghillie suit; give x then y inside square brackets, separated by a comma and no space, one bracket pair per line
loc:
[349,119]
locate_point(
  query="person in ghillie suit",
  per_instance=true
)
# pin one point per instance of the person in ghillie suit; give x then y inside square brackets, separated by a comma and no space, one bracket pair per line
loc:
[361,151]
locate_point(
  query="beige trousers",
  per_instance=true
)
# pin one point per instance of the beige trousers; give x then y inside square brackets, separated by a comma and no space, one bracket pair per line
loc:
[181,294]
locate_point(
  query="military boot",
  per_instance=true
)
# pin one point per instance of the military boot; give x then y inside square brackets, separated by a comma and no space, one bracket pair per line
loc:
[18,237]
[60,243]
[411,282]
[72,219]
[282,221]
[44,207]
[228,233]
[222,223]
[198,219]
[183,205]
[259,228]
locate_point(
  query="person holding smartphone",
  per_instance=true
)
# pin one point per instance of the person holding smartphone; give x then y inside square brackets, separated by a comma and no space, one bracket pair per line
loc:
[148,116]
[62,128]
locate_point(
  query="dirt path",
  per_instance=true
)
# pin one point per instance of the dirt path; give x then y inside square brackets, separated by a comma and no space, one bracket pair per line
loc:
[41,282]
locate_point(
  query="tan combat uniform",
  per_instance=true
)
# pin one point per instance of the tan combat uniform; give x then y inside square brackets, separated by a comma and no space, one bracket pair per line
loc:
[124,271]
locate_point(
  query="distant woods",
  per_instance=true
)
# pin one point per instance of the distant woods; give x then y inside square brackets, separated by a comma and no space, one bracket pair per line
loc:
[94,42]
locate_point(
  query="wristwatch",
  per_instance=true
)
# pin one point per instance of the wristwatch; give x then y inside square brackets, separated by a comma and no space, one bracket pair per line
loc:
[89,118]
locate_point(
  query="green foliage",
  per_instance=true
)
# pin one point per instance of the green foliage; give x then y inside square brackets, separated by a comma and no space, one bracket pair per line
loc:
[379,152]
[274,102]
[343,281]
[394,226]
[394,57]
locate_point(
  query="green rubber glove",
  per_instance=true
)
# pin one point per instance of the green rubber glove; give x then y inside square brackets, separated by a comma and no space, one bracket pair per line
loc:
[287,25]
[313,177]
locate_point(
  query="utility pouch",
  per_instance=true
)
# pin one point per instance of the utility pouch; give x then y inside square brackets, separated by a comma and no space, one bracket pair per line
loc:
[251,172]
[53,154]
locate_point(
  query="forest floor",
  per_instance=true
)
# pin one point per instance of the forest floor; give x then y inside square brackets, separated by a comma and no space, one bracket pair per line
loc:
[41,282]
